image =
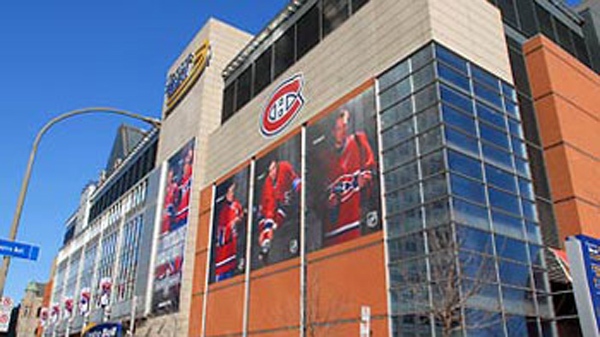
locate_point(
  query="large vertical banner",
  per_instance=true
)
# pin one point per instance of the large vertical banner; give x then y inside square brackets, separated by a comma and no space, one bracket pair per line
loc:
[172,231]
[276,222]
[343,200]
[230,221]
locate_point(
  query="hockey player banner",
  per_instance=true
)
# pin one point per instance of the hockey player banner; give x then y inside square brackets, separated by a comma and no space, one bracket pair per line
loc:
[276,219]
[84,301]
[44,315]
[54,313]
[230,223]
[343,201]
[172,231]
[68,307]
[105,291]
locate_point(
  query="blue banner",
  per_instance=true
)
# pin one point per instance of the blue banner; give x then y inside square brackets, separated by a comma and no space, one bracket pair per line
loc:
[105,330]
[591,257]
[19,250]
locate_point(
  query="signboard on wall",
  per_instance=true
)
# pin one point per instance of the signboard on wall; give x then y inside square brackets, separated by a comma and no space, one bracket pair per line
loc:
[584,260]
[282,107]
[6,306]
[172,231]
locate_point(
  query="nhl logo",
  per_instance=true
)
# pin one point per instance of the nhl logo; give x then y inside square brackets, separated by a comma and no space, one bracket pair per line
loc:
[283,106]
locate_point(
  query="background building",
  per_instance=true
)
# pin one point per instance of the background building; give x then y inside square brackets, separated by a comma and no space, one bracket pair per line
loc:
[30,309]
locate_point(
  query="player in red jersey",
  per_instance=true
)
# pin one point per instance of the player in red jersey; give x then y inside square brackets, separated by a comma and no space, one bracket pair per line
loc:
[281,185]
[230,217]
[169,208]
[350,178]
[185,188]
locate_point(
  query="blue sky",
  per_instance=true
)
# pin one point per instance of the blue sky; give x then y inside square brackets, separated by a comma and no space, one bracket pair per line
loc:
[67,54]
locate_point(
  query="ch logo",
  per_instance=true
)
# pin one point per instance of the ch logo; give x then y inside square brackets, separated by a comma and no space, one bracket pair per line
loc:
[283,106]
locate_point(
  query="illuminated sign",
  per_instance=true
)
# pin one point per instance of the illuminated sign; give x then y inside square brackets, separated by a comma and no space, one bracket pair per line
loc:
[188,72]
[105,330]
[283,106]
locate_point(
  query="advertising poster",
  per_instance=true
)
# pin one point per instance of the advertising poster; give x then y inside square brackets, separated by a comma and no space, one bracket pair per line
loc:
[172,231]
[343,200]
[276,219]
[230,222]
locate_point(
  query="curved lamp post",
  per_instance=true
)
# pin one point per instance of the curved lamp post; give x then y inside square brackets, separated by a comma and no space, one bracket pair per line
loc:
[25,184]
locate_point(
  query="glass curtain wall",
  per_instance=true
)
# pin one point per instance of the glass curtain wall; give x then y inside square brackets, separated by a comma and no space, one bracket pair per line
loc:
[464,246]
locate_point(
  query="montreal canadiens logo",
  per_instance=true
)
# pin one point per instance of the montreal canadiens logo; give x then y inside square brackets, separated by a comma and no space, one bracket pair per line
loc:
[283,106]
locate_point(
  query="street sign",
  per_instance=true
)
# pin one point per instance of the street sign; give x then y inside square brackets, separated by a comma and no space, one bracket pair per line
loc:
[6,306]
[19,249]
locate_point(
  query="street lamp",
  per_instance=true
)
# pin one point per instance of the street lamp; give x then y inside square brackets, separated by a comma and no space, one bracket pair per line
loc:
[25,184]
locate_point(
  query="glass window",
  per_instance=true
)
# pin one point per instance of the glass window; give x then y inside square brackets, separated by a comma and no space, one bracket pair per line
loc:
[411,271]
[437,213]
[526,13]
[422,57]
[545,21]
[307,30]
[335,12]
[430,140]
[467,188]
[407,247]
[483,93]
[508,90]
[446,73]
[396,113]
[464,164]
[244,88]
[491,116]
[357,4]
[509,12]
[426,98]
[518,301]
[504,201]
[529,210]
[395,93]
[393,75]
[400,154]
[461,141]
[398,133]
[474,239]
[511,108]
[581,49]
[519,148]
[435,188]
[459,120]
[537,255]
[432,163]
[522,167]
[477,266]
[228,102]
[497,156]
[450,58]
[526,189]
[402,176]
[514,274]
[494,136]
[500,178]
[469,214]
[564,36]
[484,77]
[515,128]
[511,249]
[428,118]
[533,232]
[423,77]
[403,199]
[262,71]
[456,99]
[405,222]
[284,52]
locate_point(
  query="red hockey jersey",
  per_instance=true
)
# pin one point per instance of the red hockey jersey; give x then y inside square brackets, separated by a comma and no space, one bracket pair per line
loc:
[226,246]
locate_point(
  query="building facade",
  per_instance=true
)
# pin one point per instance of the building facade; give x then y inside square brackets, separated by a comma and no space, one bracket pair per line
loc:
[30,309]
[395,167]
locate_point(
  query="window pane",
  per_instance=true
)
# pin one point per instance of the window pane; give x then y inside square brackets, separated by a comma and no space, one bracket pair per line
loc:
[400,154]
[407,247]
[460,120]
[497,156]
[228,102]
[262,71]
[545,21]
[500,178]
[435,187]
[488,95]
[430,140]
[423,77]
[244,88]
[486,78]
[402,176]
[428,118]
[474,239]
[284,52]
[526,189]
[514,274]
[469,214]
[426,98]
[395,93]
[456,99]
[403,199]
[464,164]
[511,249]
[357,4]
[405,222]
[460,80]
[494,136]
[462,141]
[335,12]
[432,163]
[518,301]
[450,58]
[515,128]
[392,76]
[307,31]
[467,188]
[396,113]
[422,57]
[398,133]
[504,201]
[519,148]
[437,213]
[491,116]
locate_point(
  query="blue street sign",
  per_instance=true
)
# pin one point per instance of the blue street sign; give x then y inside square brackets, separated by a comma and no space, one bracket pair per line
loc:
[19,249]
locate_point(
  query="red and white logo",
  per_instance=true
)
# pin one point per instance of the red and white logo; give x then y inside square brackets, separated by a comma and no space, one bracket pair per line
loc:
[283,106]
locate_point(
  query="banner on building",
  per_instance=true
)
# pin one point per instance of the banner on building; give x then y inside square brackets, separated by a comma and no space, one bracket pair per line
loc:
[84,301]
[6,307]
[105,291]
[342,180]
[44,315]
[54,313]
[172,231]
[68,307]
[104,330]
[276,219]
[230,222]
[584,260]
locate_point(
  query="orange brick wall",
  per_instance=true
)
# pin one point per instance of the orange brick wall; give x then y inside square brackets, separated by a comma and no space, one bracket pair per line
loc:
[567,101]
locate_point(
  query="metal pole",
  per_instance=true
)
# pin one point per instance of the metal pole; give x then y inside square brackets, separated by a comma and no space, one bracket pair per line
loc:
[25,184]
[133,309]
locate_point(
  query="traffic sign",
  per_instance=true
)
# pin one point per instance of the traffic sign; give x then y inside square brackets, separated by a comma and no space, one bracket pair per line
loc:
[6,306]
[19,250]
